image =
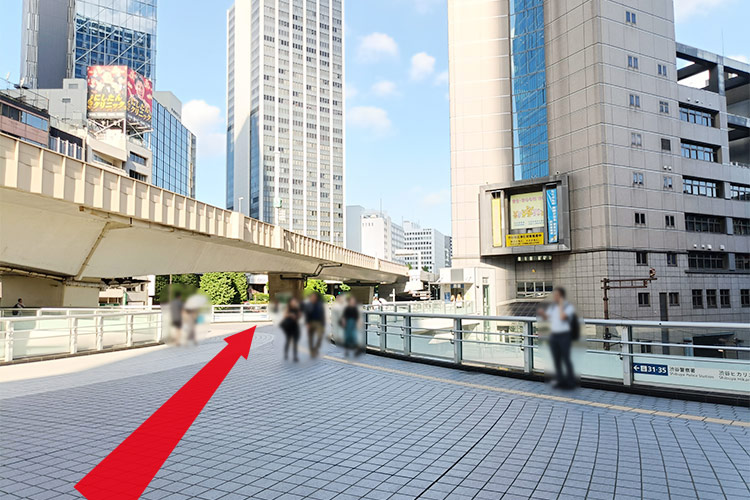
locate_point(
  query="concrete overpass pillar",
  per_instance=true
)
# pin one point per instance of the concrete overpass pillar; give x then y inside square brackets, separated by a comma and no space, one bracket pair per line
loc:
[363,293]
[46,292]
[285,287]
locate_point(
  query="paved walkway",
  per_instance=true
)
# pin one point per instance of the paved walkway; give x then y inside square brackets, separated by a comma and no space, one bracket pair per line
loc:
[371,428]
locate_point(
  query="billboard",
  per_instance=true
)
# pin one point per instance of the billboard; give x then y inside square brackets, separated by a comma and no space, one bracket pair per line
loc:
[107,91]
[140,95]
[524,239]
[527,210]
[117,92]
[552,229]
[497,222]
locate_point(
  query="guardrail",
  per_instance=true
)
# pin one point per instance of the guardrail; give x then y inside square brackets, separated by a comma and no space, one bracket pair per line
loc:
[239,313]
[35,333]
[425,306]
[46,335]
[632,353]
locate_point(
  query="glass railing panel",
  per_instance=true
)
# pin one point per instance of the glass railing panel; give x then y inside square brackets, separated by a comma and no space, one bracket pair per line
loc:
[86,334]
[42,336]
[495,343]
[145,328]
[372,327]
[605,364]
[113,331]
[431,337]
[394,332]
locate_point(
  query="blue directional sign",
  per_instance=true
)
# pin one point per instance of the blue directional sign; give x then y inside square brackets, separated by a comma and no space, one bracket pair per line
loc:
[650,369]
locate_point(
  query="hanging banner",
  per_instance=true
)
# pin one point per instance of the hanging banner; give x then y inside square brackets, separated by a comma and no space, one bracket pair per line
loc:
[552,234]
[140,95]
[497,222]
[527,210]
[107,91]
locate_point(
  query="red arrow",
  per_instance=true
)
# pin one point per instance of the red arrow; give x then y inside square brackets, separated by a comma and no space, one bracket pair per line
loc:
[127,471]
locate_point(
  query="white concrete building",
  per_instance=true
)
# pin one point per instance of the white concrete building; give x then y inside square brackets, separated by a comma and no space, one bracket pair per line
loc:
[285,114]
[373,233]
[433,246]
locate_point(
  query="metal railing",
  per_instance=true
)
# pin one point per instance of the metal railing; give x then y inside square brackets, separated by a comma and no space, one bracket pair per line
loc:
[632,353]
[42,335]
[8,312]
[239,313]
[425,306]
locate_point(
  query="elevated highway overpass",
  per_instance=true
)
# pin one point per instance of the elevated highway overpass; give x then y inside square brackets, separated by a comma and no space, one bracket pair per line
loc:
[65,223]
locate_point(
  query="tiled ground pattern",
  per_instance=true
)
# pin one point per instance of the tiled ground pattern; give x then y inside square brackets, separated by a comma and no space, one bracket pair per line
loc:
[325,430]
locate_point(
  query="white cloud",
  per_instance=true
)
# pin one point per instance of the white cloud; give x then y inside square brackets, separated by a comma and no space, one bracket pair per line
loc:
[370,118]
[435,198]
[741,58]
[376,46]
[687,9]
[442,78]
[422,66]
[425,6]
[206,122]
[384,88]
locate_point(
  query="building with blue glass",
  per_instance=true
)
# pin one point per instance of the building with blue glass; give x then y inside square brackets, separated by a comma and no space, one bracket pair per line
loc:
[173,146]
[61,38]
[588,144]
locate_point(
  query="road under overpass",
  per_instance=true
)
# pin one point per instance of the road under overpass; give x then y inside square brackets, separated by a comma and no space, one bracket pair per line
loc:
[66,224]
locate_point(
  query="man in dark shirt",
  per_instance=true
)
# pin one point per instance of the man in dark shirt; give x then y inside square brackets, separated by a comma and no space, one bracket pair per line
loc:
[315,318]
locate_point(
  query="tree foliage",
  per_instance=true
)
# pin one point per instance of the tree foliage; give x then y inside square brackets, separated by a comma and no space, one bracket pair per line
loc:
[316,286]
[186,284]
[224,288]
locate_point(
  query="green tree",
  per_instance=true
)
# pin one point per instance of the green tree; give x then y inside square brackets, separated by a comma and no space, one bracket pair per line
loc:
[240,283]
[316,286]
[220,288]
[345,288]
[187,284]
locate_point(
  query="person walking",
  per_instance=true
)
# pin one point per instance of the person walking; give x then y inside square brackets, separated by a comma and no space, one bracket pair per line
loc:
[175,317]
[350,322]
[315,319]
[561,315]
[290,327]
[337,312]
[19,305]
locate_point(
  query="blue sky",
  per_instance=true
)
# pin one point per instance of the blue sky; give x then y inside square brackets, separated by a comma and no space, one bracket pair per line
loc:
[398,144]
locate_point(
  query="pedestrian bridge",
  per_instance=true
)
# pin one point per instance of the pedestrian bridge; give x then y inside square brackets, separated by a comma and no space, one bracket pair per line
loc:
[371,427]
[71,219]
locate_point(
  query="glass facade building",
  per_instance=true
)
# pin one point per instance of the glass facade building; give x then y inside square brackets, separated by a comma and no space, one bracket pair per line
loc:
[173,147]
[528,81]
[119,32]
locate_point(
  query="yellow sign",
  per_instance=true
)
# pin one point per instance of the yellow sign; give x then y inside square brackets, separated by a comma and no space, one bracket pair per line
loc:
[524,239]
[497,223]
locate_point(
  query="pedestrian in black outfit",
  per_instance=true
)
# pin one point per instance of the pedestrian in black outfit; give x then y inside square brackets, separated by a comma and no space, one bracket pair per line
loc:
[561,315]
[290,327]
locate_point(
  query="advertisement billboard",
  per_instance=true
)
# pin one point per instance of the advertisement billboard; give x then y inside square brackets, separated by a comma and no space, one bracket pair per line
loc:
[527,210]
[497,222]
[552,230]
[524,239]
[140,95]
[107,91]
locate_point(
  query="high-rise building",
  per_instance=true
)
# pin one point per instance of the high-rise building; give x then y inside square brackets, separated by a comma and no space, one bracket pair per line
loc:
[285,114]
[432,245]
[62,38]
[372,232]
[582,149]
[173,146]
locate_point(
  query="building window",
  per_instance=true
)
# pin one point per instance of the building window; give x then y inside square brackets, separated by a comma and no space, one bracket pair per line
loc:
[698,151]
[640,218]
[742,261]
[666,144]
[711,299]
[632,62]
[669,220]
[692,115]
[724,299]
[635,101]
[661,69]
[740,192]
[674,298]
[700,187]
[636,139]
[697,299]
[530,289]
[668,182]
[706,260]
[140,160]
[664,107]
[696,223]
[741,226]
[745,297]
[641,258]
[644,299]
[630,17]
[671,259]
[637,178]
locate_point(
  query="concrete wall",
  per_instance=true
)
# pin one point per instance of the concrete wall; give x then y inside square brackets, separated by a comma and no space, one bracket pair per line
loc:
[42,292]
